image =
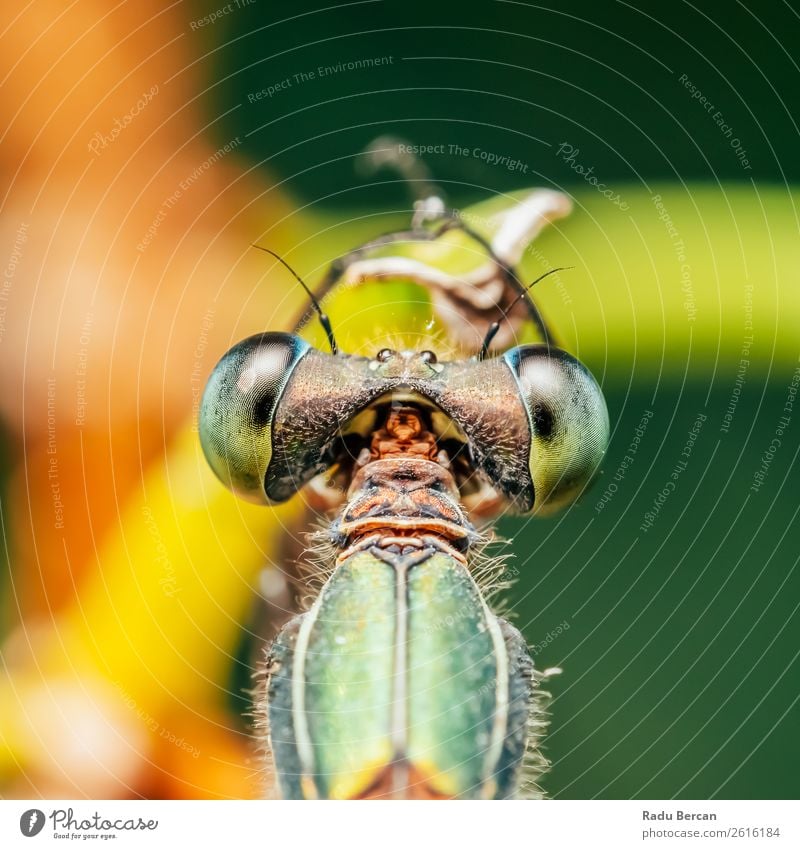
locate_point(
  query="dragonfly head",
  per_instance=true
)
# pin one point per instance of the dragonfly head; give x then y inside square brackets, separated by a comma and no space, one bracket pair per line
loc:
[531,424]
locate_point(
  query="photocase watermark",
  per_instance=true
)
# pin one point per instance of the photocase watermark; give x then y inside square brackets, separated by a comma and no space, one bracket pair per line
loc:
[552,635]
[196,380]
[31,822]
[66,825]
[9,272]
[625,463]
[80,370]
[100,141]
[492,158]
[212,17]
[318,73]
[154,726]
[52,458]
[687,289]
[780,430]
[499,160]
[518,662]
[719,119]
[184,186]
[168,581]
[671,485]
[569,154]
[500,578]
[496,160]
[744,361]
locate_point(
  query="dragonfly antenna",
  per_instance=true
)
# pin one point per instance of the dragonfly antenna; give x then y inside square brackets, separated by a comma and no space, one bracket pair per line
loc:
[495,325]
[323,318]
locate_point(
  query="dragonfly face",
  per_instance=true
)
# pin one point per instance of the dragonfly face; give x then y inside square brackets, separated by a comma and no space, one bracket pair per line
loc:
[531,423]
[399,681]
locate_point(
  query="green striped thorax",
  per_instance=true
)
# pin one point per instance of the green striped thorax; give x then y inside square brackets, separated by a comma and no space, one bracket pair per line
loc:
[399,681]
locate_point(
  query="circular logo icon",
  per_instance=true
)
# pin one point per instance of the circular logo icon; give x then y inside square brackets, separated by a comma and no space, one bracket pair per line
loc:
[31,822]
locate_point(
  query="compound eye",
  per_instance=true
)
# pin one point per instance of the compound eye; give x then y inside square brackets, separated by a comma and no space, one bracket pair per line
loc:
[238,409]
[568,423]
[384,355]
[428,357]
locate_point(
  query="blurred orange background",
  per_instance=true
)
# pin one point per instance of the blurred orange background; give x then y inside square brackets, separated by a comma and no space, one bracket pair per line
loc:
[125,229]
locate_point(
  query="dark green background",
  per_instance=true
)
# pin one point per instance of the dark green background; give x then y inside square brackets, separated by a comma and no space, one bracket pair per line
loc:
[513,78]
[680,663]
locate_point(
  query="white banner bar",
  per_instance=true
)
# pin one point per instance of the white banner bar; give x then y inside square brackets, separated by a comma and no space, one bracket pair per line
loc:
[410,825]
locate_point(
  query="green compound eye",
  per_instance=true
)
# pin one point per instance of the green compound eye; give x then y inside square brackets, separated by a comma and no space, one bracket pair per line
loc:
[568,423]
[238,410]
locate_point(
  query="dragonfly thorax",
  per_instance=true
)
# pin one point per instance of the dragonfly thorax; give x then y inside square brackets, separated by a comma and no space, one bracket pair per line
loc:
[402,485]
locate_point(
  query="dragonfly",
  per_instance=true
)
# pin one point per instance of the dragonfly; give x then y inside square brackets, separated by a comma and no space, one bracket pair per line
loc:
[453,405]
